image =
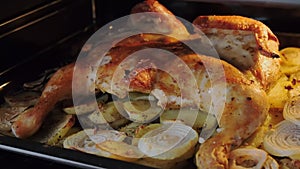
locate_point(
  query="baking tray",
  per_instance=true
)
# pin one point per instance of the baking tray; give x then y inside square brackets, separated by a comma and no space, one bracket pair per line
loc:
[10,80]
[59,54]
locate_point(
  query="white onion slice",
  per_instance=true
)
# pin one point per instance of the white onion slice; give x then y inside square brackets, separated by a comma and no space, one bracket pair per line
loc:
[243,158]
[270,163]
[291,110]
[283,140]
[168,141]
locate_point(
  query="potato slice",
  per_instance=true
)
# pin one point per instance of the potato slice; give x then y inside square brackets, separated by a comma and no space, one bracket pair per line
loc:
[86,140]
[295,80]
[133,96]
[54,128]
[80,109]
[86,108]
[190,117]
[142,130]
[121,150]
[278,94]
[290,56]
[130,129]
[108,114]
[72,131]
[142,111]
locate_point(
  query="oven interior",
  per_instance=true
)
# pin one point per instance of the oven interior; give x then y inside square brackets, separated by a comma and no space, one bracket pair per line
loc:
[36,35]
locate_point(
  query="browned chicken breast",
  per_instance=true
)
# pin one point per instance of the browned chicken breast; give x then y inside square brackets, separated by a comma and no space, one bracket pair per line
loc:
[246,43]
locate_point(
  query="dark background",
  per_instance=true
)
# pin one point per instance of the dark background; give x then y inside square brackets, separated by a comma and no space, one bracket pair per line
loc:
[36,35]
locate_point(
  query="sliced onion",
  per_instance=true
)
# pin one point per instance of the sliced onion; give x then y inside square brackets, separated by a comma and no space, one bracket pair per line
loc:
[169,141]
[291,110]
[270,163]
[86,140]
[283,140]
[249,157]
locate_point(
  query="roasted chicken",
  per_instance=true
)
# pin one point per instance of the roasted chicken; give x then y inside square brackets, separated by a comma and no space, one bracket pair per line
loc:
[233,90]
[246,43]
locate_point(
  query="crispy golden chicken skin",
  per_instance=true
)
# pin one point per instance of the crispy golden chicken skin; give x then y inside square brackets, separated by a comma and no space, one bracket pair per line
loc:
[244,42]
[165,22]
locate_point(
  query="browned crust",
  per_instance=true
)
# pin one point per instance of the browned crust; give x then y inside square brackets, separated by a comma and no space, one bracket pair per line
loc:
[265,38]
[150,6]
